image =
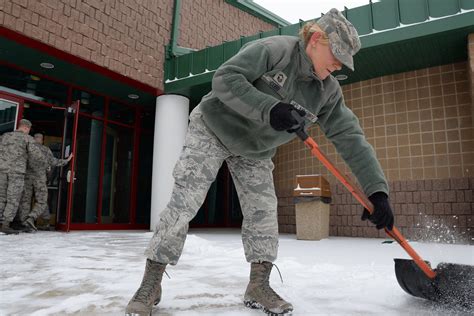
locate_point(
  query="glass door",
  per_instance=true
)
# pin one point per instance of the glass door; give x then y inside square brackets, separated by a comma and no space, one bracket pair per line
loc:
[67,176]
[116,185]
[48,120]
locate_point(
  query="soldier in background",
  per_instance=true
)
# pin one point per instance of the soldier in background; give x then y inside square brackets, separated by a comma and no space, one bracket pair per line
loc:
[36,181]
[15,149]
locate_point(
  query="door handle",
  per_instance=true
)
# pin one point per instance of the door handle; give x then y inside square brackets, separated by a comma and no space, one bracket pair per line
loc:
[68,177]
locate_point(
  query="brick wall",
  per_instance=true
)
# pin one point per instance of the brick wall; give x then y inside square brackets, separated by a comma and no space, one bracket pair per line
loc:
[225,21]
[420,125]
[429,210]
[471,70]
[126,36]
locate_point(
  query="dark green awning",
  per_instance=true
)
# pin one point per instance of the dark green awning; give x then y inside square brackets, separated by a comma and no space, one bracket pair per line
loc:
[396,36]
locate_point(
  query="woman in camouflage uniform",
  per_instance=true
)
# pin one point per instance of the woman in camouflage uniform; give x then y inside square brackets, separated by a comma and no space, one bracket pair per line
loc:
[242,121]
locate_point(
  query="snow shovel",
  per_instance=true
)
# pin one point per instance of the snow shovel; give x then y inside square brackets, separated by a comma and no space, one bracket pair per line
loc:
[448,283]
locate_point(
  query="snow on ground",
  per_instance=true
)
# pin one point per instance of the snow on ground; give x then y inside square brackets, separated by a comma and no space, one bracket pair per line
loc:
[96,273]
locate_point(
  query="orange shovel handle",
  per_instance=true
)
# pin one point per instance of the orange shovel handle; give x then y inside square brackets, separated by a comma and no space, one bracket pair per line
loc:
[360,196]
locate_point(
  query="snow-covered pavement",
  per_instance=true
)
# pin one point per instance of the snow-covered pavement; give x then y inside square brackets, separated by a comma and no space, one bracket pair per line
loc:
[96,273]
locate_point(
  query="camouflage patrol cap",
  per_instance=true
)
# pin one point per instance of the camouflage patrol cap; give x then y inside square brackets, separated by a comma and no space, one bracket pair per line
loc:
[25,122]
[343,37]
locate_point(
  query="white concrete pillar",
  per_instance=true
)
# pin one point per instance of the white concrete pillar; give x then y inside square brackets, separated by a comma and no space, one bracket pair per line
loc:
[171,124]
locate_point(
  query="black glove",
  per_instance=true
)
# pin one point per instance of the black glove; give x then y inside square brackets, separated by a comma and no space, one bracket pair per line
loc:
[382,215]
[281,118]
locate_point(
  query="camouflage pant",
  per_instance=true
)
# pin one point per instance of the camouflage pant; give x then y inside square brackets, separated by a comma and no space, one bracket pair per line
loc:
[196,169]
[37,184]
[11,187]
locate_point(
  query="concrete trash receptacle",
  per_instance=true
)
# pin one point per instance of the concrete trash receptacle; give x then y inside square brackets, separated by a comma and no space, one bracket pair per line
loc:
[312,196]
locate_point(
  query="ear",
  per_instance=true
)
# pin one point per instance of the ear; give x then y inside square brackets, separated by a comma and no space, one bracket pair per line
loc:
[315,38]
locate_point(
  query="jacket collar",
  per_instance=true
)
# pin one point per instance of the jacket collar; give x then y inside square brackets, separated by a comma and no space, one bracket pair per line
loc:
[306,65]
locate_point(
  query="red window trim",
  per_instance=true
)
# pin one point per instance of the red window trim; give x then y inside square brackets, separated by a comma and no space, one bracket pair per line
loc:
[68,84]
[32,43]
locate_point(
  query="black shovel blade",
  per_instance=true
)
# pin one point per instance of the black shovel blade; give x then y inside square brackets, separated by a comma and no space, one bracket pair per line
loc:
[453,284]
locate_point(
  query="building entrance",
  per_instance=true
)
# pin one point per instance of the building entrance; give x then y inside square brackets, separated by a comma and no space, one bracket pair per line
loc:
[49,121]
[96,189]
[107,185]
[58,126]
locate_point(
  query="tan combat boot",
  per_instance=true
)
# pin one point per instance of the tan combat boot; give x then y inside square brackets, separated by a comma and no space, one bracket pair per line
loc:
[149,292]
[7,229]
[30,222]
[260,295]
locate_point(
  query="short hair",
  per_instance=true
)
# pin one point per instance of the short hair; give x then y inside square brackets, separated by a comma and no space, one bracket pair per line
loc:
[38,135]
[24,122]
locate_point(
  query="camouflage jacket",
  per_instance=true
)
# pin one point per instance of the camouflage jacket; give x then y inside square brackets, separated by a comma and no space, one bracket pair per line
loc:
[39,166]
[15,149]
[277,69]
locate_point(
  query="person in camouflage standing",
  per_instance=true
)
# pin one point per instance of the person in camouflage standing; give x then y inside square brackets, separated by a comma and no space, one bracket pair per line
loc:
[242,121]
[36,182]
[16,148]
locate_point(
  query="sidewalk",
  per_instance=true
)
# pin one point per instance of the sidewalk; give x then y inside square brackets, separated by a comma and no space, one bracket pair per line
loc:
[96,273]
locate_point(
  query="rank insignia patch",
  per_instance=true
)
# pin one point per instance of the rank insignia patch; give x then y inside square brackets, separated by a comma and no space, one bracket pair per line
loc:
[280,78]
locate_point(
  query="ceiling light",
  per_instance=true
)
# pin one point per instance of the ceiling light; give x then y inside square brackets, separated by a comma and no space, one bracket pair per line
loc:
[47,65]
[341,77]
[133,96]
[35,78]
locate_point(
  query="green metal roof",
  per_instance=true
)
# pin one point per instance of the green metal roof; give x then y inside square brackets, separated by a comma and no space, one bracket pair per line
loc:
[260,12]
[396,36]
